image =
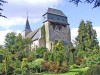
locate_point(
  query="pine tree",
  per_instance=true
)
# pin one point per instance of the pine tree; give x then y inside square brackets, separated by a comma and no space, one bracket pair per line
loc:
[81,36]
[87,37]
[92,36]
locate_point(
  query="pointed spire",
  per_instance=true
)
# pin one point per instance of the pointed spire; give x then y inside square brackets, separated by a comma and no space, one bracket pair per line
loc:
[27,26]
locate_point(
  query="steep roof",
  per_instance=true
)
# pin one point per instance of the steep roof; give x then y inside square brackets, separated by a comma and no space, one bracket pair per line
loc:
[27,27]
[32,34]
[55,11]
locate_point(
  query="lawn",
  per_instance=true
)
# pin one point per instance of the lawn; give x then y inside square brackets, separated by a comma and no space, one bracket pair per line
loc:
[71,72]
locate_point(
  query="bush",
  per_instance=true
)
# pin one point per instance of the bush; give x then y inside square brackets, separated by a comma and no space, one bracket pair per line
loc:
[48,56]
[17,71]
[54,68]
[91,59]
[31,56]
[36,66]
[40,52]
[93,70]
[2,69]
[74,66]
[59,57]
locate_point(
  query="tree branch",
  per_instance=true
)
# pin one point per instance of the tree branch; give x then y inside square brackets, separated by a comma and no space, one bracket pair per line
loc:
[96,2]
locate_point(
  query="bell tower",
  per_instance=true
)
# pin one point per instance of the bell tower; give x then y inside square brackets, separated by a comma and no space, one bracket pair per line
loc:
[56,27]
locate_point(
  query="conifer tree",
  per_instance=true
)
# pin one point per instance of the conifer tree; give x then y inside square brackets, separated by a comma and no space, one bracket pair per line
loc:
[92,41]
[81,36]
[87,37]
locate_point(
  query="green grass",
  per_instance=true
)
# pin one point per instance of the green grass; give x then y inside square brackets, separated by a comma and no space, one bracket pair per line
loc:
[71,72]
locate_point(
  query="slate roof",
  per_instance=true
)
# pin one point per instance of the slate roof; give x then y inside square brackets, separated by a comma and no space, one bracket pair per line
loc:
[55,11]
[27,27]
[32,34]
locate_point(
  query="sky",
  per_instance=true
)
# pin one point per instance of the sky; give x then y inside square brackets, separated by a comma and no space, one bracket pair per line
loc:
[16,12]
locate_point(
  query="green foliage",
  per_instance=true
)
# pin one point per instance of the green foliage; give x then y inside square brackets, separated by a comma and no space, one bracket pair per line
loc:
[74,66]
[24,63]
[93,70]
[87,37]
[17,71]
[1,58]
[16,63]
[58,46]
[2,68]
[48,56]
[40,52]
[91,58]
[17,43]
[54,68]
[59,57]
[31,56]
[10,41]
[36,66]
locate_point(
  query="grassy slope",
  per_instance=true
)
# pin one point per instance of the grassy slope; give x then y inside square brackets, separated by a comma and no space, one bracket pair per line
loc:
[71,72]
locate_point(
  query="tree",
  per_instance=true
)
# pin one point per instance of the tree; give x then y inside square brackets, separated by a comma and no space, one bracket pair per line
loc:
[58,46]
[16,43]
[81,36]
[1,4]
[87,37]
[96,2]
[92,41]
[10,41]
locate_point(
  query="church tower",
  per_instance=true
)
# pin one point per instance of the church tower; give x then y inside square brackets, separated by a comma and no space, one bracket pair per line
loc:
[56,27]
[27,29]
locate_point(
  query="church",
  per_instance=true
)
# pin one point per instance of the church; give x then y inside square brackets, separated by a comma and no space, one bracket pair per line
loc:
[55,27]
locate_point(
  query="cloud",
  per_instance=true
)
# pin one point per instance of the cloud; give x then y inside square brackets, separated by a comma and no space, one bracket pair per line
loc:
[98,31]
[15,10]
[4,33]
[8,22]
[74,33]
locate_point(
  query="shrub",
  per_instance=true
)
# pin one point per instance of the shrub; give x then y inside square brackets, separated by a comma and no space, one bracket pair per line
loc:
[17,71]
[2,69]
[24,63]
[93,70]
[79,61]
[36,65]
[74,66]
[59,57]
[92,59]
[31,56]
[48,56]
[40,52]
[54,68]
